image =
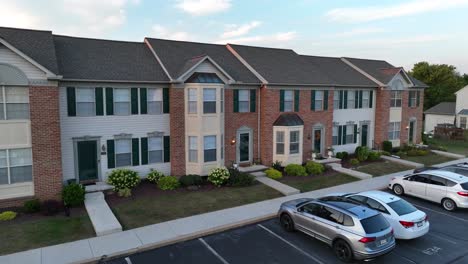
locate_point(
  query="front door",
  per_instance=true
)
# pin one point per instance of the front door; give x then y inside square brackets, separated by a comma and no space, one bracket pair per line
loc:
[244,147]
[364,132]
[411,131]
[318,140]
[87,161]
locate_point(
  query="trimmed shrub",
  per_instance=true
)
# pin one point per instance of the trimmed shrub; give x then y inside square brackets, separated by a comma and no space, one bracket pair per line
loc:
[168,183]
[354,162]
[154,176]
[400,153]
[295,170]
[190,180]
[314,168]
[51,207]
[274,174]
[356,150]
[373,156]
[218,176]
[345,155]
[73,194]
[123,178]
[339,155]
[240,179]
[32,206]
[387,146]
[362,153]
[277,165]
[125,192]
[7,216]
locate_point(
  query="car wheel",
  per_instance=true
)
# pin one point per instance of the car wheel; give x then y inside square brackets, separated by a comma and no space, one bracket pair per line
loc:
[449,204]
[398,189]
[287,223]
[343,251]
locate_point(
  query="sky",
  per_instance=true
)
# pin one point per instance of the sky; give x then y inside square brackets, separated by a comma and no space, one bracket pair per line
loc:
[401,32]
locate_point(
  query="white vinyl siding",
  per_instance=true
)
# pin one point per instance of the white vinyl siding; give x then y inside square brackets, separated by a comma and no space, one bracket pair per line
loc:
[394,130]
[15,166]
[85,102]
[155,101]
[14,103]
[122,101]
[155,150]
[193,149]
[123,152]
[288,101]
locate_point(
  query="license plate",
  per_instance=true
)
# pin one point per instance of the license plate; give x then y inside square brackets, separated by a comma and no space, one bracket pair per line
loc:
[419,224]
[383,242]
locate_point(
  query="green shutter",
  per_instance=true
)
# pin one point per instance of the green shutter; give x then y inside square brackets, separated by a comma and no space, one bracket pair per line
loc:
[144,151]
[71,101]
[356,99]
[165,100]
[253,100]
[109,101]
[99,101]
[134,100]
[345,100]
[135,152]
[296,100]
[360,99]
[418,99]
[355,133]
[281,100]
[371,98]
[341,99]
[340,135]
[325,100]
[110,154]
[236,101]
[312,100]
[167,149]
[344,135]
[143,101]
[409,98]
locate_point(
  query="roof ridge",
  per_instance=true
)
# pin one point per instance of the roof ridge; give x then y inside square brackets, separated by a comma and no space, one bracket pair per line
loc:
[185,41]
[26,29]
[97,39]
[318,56]
[251,46]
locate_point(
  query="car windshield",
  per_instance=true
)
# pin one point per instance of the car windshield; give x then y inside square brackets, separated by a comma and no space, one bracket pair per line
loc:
[402,207]
[464,186]
[374,224]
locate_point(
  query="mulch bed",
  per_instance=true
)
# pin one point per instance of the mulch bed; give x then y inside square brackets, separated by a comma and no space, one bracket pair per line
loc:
[346,163]
[327,173]
[22,217]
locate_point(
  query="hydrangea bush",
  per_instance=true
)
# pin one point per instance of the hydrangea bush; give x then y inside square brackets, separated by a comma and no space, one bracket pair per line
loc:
[154,176]
[218,176]
[123,179]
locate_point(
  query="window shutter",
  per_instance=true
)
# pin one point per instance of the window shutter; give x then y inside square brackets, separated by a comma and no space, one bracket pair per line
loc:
[344,135]
[167,149]
[409,98]
[253,100]
[99,101]
[134,100]
[110,154]
[312,100]
[345,100]
[109,101]
[165,100]
[236,101]
[135,152]
[144,151]
[355,133]
[296,101]
[281,100]
[360,99]
[356,99]
[71,101]
[341,99]
[143,101]
[340,135]
[371,98]
[325,100]
[418,99]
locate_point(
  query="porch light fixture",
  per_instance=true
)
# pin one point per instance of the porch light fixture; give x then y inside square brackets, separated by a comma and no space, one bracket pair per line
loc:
[233,141]
[407,127]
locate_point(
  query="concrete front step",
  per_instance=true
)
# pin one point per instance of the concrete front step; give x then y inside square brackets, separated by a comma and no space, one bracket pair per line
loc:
[280,187]
[100,214]
[253,168]
[98,187]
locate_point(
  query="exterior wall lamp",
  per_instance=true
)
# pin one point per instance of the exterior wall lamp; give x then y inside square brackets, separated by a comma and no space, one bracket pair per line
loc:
[233,141]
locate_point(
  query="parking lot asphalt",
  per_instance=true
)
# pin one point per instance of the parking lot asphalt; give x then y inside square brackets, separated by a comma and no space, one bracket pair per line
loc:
[267,242]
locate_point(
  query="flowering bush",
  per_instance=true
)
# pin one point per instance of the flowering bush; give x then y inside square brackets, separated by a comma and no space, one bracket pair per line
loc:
[154,176]
[123,178]
[218,176]
[168,183]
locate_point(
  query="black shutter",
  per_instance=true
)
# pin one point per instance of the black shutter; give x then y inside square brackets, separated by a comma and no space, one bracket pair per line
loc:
[356,99]
[253,100]
[99,101]
[236,101]
[341,99]
[167,149]
[281,100]
[71,101]
[344,135]
[135,152]
[360,99]
[165,100]
[418,99]
[325,100]
[296,101]
[143,101]
[144,151]
[109,101]
[312,100]
[134,100]
[110,154]
[340,135]
[345,100]
[371,98]
[410,93]
[355,133]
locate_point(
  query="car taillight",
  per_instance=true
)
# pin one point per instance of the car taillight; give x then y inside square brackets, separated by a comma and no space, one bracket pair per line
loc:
[406,224]
[391,232]
[367,240]
[465,194]
[426,218]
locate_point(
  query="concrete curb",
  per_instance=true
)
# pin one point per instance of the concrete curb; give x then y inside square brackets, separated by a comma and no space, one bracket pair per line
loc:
[354,173]
[403,162]
[448,154]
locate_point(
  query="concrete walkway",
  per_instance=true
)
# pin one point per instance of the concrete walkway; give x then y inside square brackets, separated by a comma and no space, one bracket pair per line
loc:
[101,216]
[403,162]
[280,187]
[357,174]
[162,234]
[448,154]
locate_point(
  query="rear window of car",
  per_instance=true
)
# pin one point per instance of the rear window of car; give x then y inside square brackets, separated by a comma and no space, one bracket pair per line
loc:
[374,224]
[464,186]
[402,207]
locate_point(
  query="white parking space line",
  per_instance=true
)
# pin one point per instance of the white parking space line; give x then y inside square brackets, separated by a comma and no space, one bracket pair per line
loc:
[213,251]
[291,244]
[127,259]
[435,211]
[443,238]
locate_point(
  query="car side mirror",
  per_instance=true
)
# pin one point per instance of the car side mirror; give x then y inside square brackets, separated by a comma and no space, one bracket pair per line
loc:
[300,209]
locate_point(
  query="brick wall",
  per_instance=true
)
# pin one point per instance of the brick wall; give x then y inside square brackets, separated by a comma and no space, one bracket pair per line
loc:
[382,116]
[177,124]
[409,113]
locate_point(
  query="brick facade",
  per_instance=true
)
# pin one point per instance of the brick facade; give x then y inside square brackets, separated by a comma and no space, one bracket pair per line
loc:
[177,128]
[382,116]
[409,113]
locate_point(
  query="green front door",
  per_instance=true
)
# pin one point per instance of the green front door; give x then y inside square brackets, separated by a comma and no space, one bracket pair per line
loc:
[411,132]
[87,161]
[364,131]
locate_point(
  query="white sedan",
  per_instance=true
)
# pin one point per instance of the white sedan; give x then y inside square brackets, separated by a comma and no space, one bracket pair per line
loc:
[407,221]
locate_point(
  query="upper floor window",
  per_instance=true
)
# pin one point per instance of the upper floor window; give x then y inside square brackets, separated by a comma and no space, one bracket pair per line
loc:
[14,103]
[15,166]
[395,99]
[288,101]
[351,99]
[365,99]
[155,149]
[413,98]
[155,101]
[244,102]
[336,99]
[294,142]
[192,100]
[123,152]
[222,100]
[394,130]
[319,101]
[209,145]
[209,100]
[85,102]
[122,101]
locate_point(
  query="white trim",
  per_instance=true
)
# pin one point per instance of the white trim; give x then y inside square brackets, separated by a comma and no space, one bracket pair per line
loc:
[362,72]
[246,64]
[158,59]
[182,77]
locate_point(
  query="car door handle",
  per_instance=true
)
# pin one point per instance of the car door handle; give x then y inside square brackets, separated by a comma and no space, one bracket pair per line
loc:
[337,227]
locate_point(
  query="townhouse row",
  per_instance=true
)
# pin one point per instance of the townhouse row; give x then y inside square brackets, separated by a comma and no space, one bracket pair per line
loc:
[76,108]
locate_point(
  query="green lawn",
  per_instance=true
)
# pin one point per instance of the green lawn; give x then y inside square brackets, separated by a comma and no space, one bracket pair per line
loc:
[171,205]
[310,183]
[428,160]
[382,168]
[454,146]
[20,235]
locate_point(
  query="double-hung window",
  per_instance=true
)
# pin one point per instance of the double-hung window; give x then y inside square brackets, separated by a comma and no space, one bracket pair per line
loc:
[85,102]
[412,98]
[209,100]
[192,100]
[288,101]
[335,135]
[365,99]
[349,134]
[193,149]
[351,99]
[244,103]
[123,152]
[294,142]
[122,101]
[318,101]
[463,122]
[14,103]
[209,147]
[394,130]
[336,99]
[280,142]
[15,166]
[155,101]
[155,149]
[395,99]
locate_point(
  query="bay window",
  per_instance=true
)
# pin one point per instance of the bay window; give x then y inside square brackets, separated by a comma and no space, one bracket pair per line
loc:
[209,100]
[155,101]
[122,101]
[193,149]
[192,100]
[209,146]
[280,142]
[294,142]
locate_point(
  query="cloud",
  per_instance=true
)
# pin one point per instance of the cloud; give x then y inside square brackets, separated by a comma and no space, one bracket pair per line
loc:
[358,32]
[236,31]
[203,7]
[14,16]
[165,33]
[270,40]
[372,13]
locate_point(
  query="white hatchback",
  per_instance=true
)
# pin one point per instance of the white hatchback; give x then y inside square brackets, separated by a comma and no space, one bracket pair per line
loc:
[407,221]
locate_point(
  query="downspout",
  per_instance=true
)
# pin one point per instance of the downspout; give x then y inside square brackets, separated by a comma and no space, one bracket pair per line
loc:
[258,121]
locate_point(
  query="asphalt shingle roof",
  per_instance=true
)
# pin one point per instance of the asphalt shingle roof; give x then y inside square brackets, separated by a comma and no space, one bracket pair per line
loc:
[288,119]
[36,44]
[177,55]
[444,108]
[95,59]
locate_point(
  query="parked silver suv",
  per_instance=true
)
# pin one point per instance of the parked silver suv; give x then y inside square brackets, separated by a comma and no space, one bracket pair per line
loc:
[353,231]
